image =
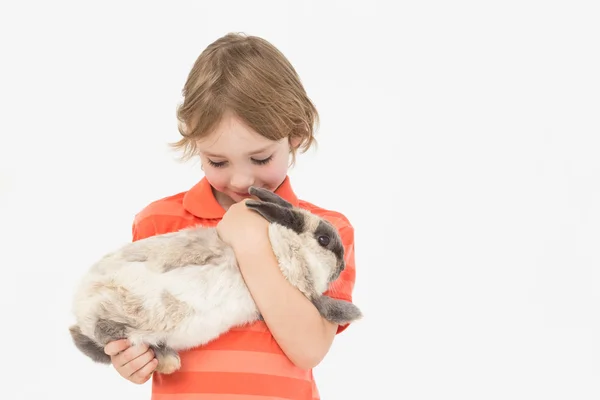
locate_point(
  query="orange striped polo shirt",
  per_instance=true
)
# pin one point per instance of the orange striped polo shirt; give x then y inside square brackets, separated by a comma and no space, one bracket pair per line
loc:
[245,363]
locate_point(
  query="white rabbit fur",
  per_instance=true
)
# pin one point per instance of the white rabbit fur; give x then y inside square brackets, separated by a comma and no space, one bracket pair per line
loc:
[183,289]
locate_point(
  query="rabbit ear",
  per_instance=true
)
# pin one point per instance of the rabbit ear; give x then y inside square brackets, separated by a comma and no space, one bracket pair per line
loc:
[268,196]
[275,213]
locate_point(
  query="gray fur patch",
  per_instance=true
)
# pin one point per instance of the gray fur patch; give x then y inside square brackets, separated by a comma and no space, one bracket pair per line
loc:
[194,252]
[337,311]
[108,331]
[182,262]
[175,309]
[88,347]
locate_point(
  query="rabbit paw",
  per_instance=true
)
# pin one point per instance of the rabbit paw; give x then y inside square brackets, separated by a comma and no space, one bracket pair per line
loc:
[337,311]
[168,360]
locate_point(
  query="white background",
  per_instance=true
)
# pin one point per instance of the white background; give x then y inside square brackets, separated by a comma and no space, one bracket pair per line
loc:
[460,138]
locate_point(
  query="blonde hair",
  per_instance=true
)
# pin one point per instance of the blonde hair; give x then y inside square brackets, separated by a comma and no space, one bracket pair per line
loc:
[248,76]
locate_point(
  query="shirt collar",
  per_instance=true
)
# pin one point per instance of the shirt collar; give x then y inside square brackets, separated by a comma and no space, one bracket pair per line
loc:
[201,202]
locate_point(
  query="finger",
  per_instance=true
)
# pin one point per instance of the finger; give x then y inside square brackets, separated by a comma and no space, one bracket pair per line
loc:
[138,363]
[115,347]
[143,374]
[130,354]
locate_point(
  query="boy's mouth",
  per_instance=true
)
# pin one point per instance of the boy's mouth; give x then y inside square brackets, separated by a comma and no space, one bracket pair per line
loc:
[243,194]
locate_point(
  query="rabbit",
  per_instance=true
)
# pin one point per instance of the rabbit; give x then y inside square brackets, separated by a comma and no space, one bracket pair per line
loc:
[183,289]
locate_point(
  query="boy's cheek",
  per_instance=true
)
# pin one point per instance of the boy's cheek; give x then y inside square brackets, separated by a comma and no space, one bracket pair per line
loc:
[274,175]
[216,179]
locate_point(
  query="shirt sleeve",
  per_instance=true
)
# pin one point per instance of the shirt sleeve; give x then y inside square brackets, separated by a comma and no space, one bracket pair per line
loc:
[343,286]
[143,228]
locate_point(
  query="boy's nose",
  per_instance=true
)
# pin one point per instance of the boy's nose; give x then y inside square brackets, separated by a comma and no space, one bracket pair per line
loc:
[241,182]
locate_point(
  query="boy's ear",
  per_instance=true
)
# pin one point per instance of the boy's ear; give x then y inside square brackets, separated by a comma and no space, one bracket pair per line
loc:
[275,213]
[295,142]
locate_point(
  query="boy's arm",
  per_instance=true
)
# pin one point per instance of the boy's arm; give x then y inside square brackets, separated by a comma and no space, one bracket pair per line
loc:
[301,332]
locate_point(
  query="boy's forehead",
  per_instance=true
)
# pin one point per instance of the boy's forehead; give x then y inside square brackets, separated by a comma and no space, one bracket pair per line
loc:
[222,145]
[233,137]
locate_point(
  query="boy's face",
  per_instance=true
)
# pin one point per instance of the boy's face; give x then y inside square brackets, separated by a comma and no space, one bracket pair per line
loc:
[234,157]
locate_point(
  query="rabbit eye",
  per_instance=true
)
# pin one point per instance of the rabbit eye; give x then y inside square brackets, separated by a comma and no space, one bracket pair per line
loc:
[323,240]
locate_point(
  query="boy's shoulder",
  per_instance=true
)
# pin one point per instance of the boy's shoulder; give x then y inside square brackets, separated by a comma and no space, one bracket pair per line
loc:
[169,206]
[167,214]
[164,215]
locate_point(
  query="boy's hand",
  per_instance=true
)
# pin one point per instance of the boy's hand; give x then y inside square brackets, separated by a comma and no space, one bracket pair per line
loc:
[241,225]
[134,363]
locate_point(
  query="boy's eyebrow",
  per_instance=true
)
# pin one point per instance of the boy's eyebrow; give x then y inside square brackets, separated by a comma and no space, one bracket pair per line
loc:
[257,151]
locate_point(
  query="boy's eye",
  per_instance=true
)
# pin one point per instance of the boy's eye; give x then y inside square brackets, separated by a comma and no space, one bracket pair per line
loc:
[216,164]
[221,164]
[263,161]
